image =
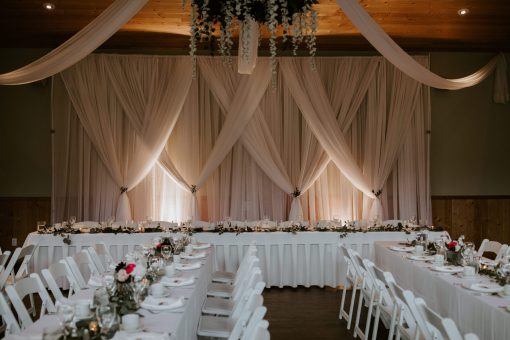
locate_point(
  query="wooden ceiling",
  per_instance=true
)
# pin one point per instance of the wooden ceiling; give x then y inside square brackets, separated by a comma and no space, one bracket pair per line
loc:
[421,25]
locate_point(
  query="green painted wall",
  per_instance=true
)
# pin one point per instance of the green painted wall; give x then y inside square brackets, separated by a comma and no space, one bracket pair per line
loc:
[470,150]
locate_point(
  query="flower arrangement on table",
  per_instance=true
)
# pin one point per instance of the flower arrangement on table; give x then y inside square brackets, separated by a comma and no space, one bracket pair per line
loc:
[454,250]
[123,295]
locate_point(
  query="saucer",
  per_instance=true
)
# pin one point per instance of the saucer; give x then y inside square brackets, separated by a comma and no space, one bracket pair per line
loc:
[139,329]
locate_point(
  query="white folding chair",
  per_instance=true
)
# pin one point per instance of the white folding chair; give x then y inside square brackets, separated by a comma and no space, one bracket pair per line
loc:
[59,271]
[353,279]
[367,293]
[489,247]
[4,257]
[20,289]
[405,324]
[385,309]
[502,252]
[230,328]
[228,291]
[255,320]
[229,277]
[82,283]
[85,264]
[26,255]
[225,307]
[97,260]
[260,332]
[9,268]
[104,254]
[9,323]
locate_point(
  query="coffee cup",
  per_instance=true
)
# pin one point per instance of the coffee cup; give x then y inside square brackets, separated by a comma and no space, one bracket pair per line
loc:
[157,290]
[468,271]
[130,322]
[506,289]
[82,308]
[418,249]
[177,258]
[170,270]
[438,259]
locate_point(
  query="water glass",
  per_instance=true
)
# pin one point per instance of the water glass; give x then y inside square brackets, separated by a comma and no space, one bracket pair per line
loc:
[166,251]
[53,333]
[107,319]
[101,297]
[65,314]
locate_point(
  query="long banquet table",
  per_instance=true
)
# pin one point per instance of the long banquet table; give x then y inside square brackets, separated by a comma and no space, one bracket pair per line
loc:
[179,324]
[484,315]
[287,259]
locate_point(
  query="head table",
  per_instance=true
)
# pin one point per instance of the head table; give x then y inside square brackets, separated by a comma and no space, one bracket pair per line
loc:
[484,315]
[286,259]
[178,324]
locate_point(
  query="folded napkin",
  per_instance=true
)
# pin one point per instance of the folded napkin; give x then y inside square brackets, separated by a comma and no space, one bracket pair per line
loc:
[123,335]
[193,256]
[177,281]
[201,246]
[95,281]
[401,248]
[188,266]
[153,303]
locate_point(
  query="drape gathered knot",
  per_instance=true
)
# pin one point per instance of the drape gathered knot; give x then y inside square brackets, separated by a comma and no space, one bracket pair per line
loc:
[296,193]
[377,193]
[123,189]
[193,188]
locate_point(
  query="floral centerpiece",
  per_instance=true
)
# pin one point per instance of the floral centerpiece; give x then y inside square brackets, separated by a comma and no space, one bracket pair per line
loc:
[454,250]
[165,241]
[123,295]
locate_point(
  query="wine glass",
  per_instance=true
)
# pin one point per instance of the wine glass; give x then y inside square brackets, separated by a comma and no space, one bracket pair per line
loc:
[154,264]
[107,318]
[72,220]
[108,282]
[166,251]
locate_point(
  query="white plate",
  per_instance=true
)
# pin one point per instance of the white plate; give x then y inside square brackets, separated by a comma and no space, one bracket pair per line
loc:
[447,269]
[139,329]
[488,262]
[177,282]
[421,257]
[467,277]
[151,303]
[193,256]
[188,266]
[201,246]
[402,249]
[483,287]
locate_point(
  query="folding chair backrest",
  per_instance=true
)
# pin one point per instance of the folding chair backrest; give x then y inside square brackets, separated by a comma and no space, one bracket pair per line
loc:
[437,329]
[260,333]
[24,287]
[85,264]
[252,278]
[400,300]
[11,325]
[59,271]
[4,257]
[502,252]
[243,271]
[97,260]
[25,255]
[427,329]
[256,317]
[76,272]
[251,305]
[104,254]
[489,246]
[8,269]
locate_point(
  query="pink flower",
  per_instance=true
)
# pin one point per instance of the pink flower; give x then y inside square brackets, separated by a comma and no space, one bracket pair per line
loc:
[130,267]
[122,275]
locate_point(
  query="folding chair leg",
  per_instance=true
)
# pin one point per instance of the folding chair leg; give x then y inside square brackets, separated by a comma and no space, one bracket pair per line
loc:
[358,314]
[342,303]
[376,321]
[369,316]
[353,300]
[392,323]
[32,305]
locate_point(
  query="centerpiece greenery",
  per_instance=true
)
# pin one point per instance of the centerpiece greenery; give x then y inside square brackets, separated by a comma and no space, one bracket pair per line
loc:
[123,296]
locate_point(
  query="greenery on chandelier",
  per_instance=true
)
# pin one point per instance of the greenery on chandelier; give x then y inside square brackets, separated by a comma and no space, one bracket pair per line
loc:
[297,19]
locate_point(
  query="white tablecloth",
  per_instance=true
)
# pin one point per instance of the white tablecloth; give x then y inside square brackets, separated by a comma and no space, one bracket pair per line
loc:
[473,313]
[303,258]
[180,325]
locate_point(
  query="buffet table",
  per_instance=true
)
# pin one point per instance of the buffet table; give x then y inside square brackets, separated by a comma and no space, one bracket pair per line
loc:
[178,324]
[287,259]
[484,315]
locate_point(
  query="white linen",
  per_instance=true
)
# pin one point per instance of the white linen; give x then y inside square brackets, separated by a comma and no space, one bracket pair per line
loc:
[472,312]
[403,61]
[106,90]
[286,259]
[78,46]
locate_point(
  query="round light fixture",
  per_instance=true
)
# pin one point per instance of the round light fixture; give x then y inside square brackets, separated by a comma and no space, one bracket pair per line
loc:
[463,11]
[49,6]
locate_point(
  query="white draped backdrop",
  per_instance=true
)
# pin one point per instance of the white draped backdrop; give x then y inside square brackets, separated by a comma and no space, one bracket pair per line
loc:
[229,145]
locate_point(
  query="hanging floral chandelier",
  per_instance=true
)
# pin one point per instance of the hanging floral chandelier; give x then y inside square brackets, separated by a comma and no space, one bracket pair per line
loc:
[296,18]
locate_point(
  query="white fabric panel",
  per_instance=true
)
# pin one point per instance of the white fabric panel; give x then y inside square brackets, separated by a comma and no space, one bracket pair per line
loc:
[78,46]
[403,61]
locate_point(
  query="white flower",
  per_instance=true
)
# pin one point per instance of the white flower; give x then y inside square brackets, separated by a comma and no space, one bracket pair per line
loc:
[457,247]
[122,275]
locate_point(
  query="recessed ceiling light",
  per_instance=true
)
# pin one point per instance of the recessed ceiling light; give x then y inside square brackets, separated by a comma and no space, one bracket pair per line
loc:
[463,11]
[49,6]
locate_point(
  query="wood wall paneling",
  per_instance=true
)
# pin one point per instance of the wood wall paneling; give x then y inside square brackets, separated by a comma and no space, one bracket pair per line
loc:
[19,216]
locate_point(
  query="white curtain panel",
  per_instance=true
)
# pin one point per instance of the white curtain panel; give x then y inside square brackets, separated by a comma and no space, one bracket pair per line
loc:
[403,61]
[244,184]
[78,46]
[128,106]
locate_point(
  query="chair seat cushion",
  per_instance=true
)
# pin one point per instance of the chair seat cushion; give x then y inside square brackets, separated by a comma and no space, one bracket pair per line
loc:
[215,326]
[226,277]
[218,306]
[220,290]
